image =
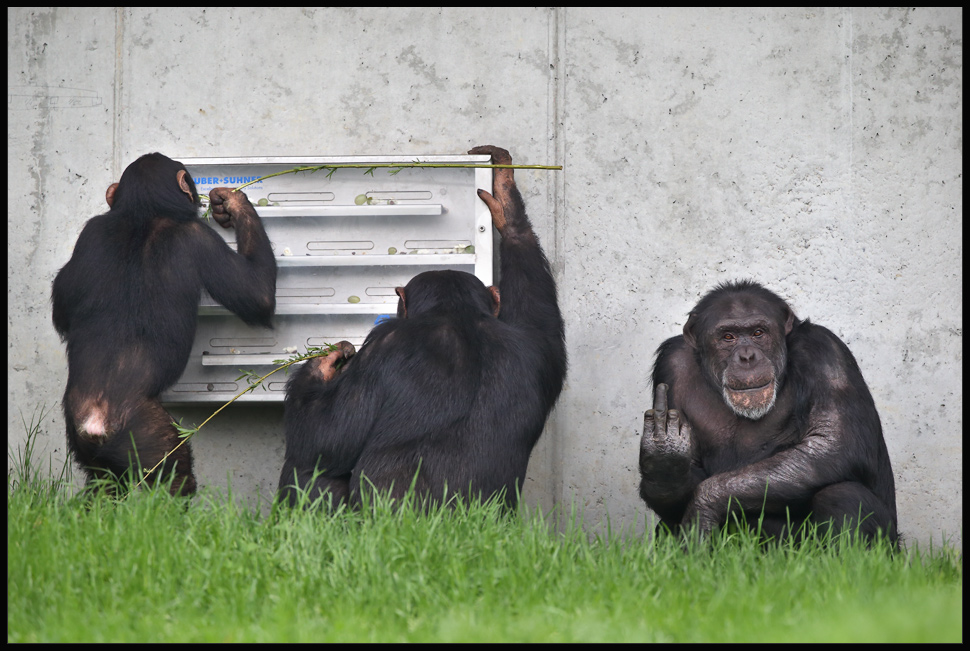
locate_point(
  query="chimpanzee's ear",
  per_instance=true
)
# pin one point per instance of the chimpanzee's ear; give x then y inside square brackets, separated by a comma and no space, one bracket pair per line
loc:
[689,335]
[402,310]
[789,322]
[109,196]
[184,184]
[496,300]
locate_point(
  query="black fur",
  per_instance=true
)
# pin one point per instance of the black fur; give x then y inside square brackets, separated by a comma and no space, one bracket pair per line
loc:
[817,456]
[126,304]
[450,388]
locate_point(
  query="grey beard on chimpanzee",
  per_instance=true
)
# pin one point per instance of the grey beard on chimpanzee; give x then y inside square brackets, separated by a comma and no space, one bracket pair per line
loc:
[762,415]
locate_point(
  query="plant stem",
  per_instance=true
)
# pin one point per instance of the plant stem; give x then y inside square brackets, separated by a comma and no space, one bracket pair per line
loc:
[234,398]
[335,166]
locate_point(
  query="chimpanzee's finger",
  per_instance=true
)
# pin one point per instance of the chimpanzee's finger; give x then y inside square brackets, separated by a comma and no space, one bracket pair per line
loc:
[673,425]
[346,349]
[499,156]
[660,397]
[648,424]
[494,207]
[218,195]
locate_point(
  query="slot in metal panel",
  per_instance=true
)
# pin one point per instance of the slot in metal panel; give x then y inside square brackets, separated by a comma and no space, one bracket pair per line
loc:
[342,243]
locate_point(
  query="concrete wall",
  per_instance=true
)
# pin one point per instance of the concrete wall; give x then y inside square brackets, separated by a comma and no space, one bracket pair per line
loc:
[816,150]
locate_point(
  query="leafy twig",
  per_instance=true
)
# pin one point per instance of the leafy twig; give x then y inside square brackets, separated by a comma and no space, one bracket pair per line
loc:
[185,433]
[395,168]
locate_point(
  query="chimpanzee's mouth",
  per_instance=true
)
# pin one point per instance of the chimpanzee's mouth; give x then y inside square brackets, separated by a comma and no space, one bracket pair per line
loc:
[750,389]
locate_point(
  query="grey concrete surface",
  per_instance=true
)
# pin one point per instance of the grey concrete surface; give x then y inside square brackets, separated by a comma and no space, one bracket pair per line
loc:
[818,151]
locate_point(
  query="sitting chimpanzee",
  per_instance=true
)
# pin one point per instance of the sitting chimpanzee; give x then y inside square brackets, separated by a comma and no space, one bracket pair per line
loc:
[451,395]
[126,304]
[758,413]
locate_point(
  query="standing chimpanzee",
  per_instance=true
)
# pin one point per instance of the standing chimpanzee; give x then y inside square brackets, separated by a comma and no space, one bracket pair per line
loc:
[758,410]
[452,395]
[126,304]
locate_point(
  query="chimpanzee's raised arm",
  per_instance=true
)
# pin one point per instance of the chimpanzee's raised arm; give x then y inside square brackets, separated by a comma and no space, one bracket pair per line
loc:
[528,290]
[244,282]
[668,470]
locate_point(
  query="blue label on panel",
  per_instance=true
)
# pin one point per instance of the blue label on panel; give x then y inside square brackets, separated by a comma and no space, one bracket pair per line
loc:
[217,181]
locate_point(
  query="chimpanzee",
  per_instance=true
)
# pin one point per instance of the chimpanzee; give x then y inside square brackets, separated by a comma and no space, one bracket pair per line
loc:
[126,304]
[452,395]
[759,413]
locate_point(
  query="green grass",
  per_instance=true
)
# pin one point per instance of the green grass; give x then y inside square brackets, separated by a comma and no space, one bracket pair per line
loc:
[152,568]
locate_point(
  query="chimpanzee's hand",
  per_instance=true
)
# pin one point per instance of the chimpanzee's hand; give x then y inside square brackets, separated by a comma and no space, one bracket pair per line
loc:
[229,206]
[701,509]
[502,184]
[665,448]
[325,368]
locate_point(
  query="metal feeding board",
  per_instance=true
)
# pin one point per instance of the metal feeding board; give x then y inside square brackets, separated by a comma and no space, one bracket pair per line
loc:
[342,243]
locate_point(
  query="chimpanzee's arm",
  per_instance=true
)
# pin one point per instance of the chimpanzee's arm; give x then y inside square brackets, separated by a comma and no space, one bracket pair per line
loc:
[788,477]
[527,287]
[329,415]
[242,281]
[59,292]
[669,472]
[69,283]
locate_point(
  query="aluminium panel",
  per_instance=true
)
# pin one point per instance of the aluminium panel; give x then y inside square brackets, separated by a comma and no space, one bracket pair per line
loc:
[342,242]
